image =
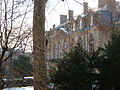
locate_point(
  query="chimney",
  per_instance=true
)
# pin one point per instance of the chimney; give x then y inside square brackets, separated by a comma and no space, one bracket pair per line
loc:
[110,4]
[101,3]
[54,26]
[63,18]
[85,4]
[70,14]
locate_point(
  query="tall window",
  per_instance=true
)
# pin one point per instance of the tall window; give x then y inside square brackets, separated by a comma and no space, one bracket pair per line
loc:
[80,41]
[49,52]
[91,43]
[72,42]
[58,52]
[65,45]
[54,51]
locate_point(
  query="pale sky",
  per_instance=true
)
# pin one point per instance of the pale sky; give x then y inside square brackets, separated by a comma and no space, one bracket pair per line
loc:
[56,7]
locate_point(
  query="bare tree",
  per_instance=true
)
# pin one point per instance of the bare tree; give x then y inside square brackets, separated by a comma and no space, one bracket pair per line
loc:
[40,72]
[13,29]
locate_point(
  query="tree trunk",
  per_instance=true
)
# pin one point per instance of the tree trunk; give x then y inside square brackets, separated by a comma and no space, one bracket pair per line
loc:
[1,84]
[40,73]
[1,79]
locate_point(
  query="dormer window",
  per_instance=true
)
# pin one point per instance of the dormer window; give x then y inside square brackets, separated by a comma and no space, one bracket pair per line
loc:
[80,24]
[91,20]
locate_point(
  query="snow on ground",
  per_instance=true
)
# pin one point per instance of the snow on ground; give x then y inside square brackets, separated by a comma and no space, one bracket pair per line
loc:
[19,88]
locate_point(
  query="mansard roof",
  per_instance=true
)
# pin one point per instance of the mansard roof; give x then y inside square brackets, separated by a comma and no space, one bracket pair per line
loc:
[63,29]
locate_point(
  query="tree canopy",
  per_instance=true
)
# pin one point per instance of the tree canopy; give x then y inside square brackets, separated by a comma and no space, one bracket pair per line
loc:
[75,70]
[109,65]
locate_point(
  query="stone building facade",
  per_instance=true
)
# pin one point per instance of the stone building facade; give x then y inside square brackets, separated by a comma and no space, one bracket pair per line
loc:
[91,29]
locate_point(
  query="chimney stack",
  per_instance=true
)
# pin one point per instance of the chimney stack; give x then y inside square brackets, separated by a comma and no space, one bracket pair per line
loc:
[54,26]
[63,18]
[70,14]
[109,3]
[85,4]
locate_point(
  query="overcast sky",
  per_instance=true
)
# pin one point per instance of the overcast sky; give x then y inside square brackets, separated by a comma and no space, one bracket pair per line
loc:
[56,7]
